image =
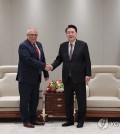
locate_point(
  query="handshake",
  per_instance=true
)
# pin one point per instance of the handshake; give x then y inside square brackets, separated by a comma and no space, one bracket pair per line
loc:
[48,67]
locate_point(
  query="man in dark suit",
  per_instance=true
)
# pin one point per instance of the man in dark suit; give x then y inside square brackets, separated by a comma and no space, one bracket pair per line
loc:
[75,73]
[30,68]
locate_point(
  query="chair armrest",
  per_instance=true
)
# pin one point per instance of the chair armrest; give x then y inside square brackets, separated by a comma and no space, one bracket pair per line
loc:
[119,93]
[87,91]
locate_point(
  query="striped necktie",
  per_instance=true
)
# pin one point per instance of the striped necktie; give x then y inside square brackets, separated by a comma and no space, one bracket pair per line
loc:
[71,51]
[37,50]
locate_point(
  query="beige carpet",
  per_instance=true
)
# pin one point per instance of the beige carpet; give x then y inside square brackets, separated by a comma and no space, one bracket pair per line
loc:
[91,126]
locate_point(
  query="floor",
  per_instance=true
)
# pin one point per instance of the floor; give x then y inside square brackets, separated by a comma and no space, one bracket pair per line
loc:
[53,126]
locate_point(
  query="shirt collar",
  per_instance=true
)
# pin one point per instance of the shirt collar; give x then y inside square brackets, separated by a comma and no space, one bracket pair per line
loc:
[32,43]
[73,43]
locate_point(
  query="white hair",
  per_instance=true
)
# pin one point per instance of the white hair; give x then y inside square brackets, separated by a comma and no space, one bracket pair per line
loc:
[31,29]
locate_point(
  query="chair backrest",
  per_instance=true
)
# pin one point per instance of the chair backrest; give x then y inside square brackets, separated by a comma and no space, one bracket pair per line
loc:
[8,83]
[105,80]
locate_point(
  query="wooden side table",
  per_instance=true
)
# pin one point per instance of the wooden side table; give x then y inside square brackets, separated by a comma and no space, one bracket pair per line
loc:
[54,104]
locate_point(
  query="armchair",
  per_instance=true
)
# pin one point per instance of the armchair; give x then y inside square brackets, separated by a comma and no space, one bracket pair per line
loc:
[103,92]
[9,94]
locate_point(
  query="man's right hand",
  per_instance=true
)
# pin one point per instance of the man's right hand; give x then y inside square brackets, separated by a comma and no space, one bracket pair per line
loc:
[48,67]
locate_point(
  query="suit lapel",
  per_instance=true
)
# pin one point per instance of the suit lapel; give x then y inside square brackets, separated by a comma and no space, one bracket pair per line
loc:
[66,50]
[31,47]
[76,49]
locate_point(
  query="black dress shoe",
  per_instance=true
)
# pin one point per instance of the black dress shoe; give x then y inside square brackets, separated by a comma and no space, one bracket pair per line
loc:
[67,124]
[29,125]
[80,124]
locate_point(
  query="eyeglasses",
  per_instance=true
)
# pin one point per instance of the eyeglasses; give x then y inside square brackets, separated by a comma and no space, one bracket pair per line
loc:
[33,34]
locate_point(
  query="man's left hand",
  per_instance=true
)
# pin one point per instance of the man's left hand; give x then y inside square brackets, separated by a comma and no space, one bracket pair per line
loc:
[46,79]
[87,78]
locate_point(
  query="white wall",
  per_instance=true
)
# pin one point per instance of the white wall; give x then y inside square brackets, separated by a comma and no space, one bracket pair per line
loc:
[6,49]
[111,32]
[98,23]
[87,15]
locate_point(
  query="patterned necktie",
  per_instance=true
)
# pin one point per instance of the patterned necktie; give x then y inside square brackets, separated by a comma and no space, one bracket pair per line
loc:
[71,51]
[37,51]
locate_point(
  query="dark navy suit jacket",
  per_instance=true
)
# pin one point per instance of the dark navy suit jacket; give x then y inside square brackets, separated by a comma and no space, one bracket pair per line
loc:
[30,68]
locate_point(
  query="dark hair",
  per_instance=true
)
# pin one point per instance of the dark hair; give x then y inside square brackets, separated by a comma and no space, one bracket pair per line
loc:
[71,26]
